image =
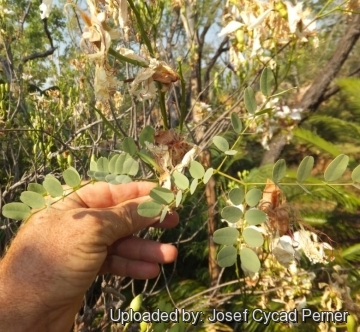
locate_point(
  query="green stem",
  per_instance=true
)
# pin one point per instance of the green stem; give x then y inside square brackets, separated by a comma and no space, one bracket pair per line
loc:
[183,98]
[120,57]
[141,27]
[162,106]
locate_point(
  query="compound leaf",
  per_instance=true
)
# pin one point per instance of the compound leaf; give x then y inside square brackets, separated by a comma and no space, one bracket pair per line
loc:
[305,168]
[236,196]
[227,236]
[249,260]
[221,143]
[16,211]
[149,209]
[249,100]
[236,122]
[33,199]
[72,177]
[196,170]
[129,146]
[336,168]
[279,170]
[227,256]
[253,197]
[53,186]
[162,195]
[37,188]
[231,214]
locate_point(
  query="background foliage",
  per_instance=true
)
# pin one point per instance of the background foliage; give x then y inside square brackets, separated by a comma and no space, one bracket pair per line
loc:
[58,110]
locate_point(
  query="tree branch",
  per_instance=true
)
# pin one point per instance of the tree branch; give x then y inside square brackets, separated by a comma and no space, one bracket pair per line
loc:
[314,95]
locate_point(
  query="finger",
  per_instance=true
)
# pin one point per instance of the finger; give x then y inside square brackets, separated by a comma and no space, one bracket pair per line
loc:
[129,268]
[110,224]
[135,248]
[103,195]
[170,221]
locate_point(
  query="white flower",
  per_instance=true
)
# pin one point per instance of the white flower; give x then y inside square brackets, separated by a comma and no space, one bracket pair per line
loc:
[156,71]
[188,158]
[8,12]
[230,28]
[282,248]
[308,243]
[297,18]
[104,83]
[45,9]
[126,52]
[252,22]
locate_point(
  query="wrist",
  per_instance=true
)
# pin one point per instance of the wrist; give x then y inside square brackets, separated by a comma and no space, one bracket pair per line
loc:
[25,300]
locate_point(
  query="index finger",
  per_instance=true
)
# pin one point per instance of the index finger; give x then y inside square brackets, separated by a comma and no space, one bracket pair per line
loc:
[104,195]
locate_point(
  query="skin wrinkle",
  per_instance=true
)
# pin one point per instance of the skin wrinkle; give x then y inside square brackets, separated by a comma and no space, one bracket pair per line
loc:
[58,252]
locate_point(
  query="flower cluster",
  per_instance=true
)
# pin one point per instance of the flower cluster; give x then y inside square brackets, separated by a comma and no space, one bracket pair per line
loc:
[258,28]
[96,42]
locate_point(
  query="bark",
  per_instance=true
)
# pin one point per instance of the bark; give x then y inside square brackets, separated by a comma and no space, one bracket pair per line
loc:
[313,97]
[196,42]
[214,270]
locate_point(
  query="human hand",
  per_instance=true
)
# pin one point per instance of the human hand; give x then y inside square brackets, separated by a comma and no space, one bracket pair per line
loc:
[57,254]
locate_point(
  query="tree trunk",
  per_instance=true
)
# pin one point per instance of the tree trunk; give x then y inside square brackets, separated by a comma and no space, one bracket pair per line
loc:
[315,94]
[195,92]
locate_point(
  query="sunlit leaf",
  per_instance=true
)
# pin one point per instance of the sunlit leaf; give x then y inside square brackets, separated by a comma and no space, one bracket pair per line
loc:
[91,174]
[164,213]
[111,178]
[16,211]
[209,172]
[355,175]
[253,197]
[72,177]
[178,198]
[33,199]
[249,100]
[266,81]
[236,122]
[227,236]
[53,186]
[130,167]
[249,260]
[231,152]
[119,164]
[123,178]
[227,256]
[236,196]
[147,135]
[103,164]
[253,237]
[193,185]
[93,166]
[112,163]
[162,195]
[221,143]
[279,170]
[149,160]
[180,180]
[255,216]
[196,170]
[305,168]
[38,188]
[231,214]
[100,176]
[264,111]
[336,168]
[129,146]
[149,209]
